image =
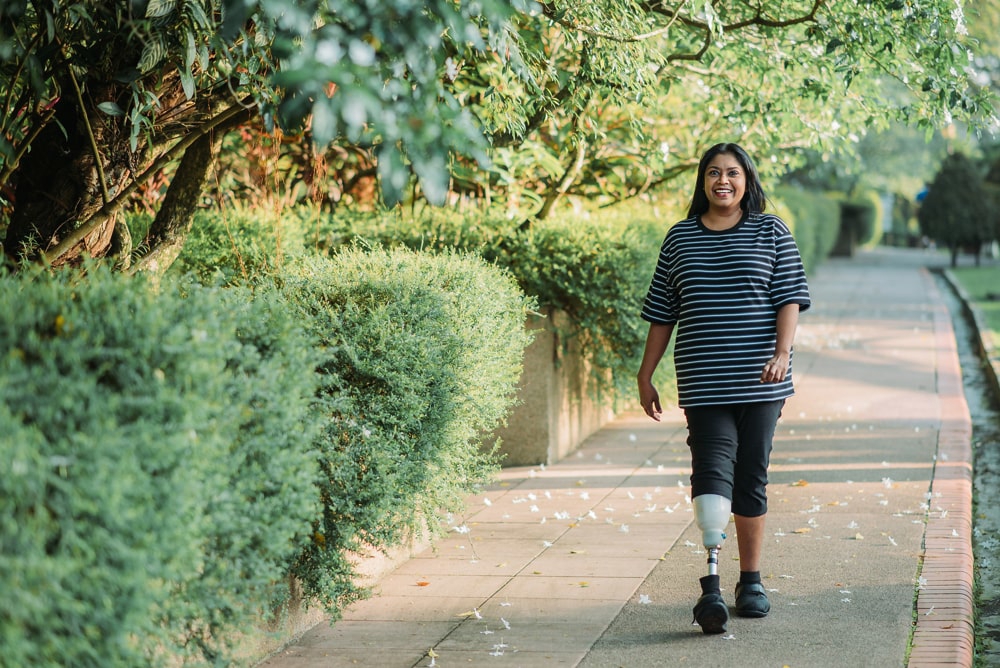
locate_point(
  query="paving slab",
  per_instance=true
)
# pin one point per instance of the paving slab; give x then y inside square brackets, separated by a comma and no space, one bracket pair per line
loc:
[594,561]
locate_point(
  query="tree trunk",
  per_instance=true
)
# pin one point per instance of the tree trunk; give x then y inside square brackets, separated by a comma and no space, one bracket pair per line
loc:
[572,171]
[173,221]
[58,184]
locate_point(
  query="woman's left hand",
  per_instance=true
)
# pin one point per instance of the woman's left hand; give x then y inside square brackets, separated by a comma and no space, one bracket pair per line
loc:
[776,369]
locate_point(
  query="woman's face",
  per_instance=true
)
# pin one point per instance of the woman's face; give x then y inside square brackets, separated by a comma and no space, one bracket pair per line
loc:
[725,181]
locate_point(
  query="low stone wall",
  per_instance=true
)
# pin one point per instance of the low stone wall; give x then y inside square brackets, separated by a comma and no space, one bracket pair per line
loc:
[557,409]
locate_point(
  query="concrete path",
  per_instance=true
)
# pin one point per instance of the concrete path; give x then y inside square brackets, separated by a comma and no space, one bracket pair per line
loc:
[594,561]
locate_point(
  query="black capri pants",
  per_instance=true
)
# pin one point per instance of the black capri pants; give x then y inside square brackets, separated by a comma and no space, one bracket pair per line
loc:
[730,452]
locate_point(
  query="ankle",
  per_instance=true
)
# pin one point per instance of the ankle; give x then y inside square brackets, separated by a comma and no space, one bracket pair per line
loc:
[750,577]
[710,584]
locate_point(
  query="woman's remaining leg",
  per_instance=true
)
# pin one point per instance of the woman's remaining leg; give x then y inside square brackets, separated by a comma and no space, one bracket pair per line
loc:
[755,426]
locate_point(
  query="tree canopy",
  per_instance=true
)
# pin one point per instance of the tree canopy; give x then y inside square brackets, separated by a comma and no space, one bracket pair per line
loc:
[958,210]
[605,99]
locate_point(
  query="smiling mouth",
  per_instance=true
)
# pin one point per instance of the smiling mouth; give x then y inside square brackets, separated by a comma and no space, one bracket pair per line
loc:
[723,191]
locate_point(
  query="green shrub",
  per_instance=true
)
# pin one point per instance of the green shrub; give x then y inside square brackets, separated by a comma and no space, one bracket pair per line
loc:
[595,266]
[153,441]
[246,246]
[865,212]
[814,218]
[421,355]
[260,518]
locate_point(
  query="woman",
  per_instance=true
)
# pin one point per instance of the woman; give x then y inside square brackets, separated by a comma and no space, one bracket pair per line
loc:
[730,280]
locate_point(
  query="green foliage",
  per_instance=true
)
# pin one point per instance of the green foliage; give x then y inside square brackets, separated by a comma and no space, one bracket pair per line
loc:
[160,467]
[982,285]
[596,270]
[169,468]
[368,73]
[421,355]
[861,215]
[243,245]
[957,210]
[594,266]
[814,219]
[629,82]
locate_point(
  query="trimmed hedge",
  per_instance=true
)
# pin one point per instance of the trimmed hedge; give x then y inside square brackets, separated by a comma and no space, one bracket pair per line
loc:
[594,266]
[175,454]
[421,356]
[161,468]
[814,219]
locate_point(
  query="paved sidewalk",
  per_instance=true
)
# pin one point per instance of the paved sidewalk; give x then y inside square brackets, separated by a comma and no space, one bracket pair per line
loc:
[594,561]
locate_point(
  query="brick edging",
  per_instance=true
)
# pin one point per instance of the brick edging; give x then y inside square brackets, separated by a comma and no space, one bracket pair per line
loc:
[944,629]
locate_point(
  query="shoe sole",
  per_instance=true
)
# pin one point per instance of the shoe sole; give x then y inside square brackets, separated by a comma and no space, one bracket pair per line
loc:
[713,621]
[753,614]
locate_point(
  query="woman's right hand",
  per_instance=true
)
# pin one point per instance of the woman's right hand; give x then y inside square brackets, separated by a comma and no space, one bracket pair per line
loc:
[649,398]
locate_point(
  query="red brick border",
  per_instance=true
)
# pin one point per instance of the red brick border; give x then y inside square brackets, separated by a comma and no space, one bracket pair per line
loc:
[944,632]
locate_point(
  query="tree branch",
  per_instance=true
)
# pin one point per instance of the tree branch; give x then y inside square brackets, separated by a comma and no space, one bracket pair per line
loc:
[98,162]
[224,120]
[674,15]
[548,10]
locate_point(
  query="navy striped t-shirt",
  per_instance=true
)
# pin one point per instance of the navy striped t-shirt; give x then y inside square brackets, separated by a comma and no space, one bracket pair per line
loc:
[723,289]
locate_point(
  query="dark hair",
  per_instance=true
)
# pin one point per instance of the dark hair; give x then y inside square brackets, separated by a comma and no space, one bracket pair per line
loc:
[754,200]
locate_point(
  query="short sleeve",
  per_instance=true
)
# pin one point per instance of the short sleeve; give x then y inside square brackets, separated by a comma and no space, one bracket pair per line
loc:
[788,280]
[661,306]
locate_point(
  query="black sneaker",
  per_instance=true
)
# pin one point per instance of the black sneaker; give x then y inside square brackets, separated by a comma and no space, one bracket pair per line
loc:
[751,600]
[710,612]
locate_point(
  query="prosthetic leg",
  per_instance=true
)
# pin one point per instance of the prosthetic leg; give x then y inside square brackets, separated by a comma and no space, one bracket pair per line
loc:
[712,515]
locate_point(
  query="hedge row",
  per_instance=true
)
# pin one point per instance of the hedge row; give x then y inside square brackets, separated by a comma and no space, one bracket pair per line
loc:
[174,454]
[420,357]
[595,267]
[814,219]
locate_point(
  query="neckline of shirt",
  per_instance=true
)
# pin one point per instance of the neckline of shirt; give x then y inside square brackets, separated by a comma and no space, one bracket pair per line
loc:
[706,228]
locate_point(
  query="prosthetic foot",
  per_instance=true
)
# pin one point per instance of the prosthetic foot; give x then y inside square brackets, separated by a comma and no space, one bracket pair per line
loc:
[712,514]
